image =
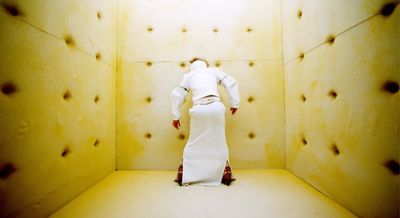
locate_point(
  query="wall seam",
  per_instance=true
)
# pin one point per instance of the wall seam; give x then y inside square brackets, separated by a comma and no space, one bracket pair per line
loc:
[210,60]
[398,97]
[284,87]
[56,37]
[116,83]
[337,35]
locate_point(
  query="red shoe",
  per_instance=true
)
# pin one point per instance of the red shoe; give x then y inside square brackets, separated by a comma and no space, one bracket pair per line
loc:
[227,177]
[179,175]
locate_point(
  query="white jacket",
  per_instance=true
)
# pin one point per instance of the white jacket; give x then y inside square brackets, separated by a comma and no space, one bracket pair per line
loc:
[203,81]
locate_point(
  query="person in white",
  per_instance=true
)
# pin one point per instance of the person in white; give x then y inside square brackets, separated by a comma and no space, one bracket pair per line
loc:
[206,153]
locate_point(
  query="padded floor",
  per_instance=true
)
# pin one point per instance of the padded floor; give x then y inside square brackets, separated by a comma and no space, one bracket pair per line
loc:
[255,194]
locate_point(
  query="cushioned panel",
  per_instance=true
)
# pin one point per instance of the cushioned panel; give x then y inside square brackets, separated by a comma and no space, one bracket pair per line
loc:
[174,30]
[311,22]
[90,25]
[147,140]
[57,120]
[342,117]
[256,193]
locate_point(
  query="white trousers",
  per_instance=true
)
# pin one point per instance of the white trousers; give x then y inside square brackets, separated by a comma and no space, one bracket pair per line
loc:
[206,152]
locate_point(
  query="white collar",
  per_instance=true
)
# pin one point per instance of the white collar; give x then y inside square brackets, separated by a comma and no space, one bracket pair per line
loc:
[199,64]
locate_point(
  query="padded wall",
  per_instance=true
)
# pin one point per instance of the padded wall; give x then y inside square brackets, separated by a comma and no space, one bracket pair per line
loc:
[155,41]
[342,101]
[57,102]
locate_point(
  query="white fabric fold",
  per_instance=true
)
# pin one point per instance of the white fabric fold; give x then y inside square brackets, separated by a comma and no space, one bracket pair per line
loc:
[206,151]
[178,95]
[202,81]
[231,87]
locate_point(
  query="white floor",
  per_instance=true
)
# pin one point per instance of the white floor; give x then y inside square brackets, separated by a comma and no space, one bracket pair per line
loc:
[255,194]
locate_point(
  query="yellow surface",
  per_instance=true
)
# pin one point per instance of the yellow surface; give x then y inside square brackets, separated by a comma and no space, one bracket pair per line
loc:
[307,23]
[38,125]
[173,30]
[90,23]
[150,67]
[256,194]
[362,121]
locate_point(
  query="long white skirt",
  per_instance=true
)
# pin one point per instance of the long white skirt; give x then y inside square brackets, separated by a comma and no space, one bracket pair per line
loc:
[206,152]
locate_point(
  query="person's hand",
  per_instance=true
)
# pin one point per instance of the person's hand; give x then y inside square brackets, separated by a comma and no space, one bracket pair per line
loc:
[176,124]
[233,110]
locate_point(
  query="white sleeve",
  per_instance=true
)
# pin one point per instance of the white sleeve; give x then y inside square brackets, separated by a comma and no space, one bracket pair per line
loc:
[178,95]
[231,87]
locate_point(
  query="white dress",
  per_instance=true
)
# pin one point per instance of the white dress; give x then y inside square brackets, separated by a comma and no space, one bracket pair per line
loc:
[206,152]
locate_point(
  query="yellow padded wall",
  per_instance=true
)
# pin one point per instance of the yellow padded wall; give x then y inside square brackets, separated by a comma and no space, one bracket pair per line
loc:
[155,41]
[57,103]
[342,101]
[76,16]
[309,23]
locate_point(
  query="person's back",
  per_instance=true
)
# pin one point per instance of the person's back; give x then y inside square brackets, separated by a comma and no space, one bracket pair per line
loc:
[206,151]
[203,82]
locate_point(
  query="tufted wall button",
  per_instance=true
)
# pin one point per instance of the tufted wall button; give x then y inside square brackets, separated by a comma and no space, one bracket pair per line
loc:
[182,64]
[215,30]
[181,136]
[391,87]
[149,99]
[251,64]
[98,56]
[148,135]
[8,88]
[99,15]
[69,41]
[251,135]
[250,99]
[304,141]
[332,94]
[388,8]
[150,29]
[330,39]
[393,166]
[217,64]
[249,29]
[67,95]
[96,99]
[149,63]
[335,149]
[299,14]
[65,152]
[6,169]
[303,98]
[96,143]
[12,10]
[301,56]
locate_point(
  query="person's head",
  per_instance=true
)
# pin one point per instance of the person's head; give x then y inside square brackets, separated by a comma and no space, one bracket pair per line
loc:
[198,59]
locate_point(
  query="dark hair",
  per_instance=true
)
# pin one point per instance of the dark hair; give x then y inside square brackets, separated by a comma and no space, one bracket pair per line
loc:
[197,59]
